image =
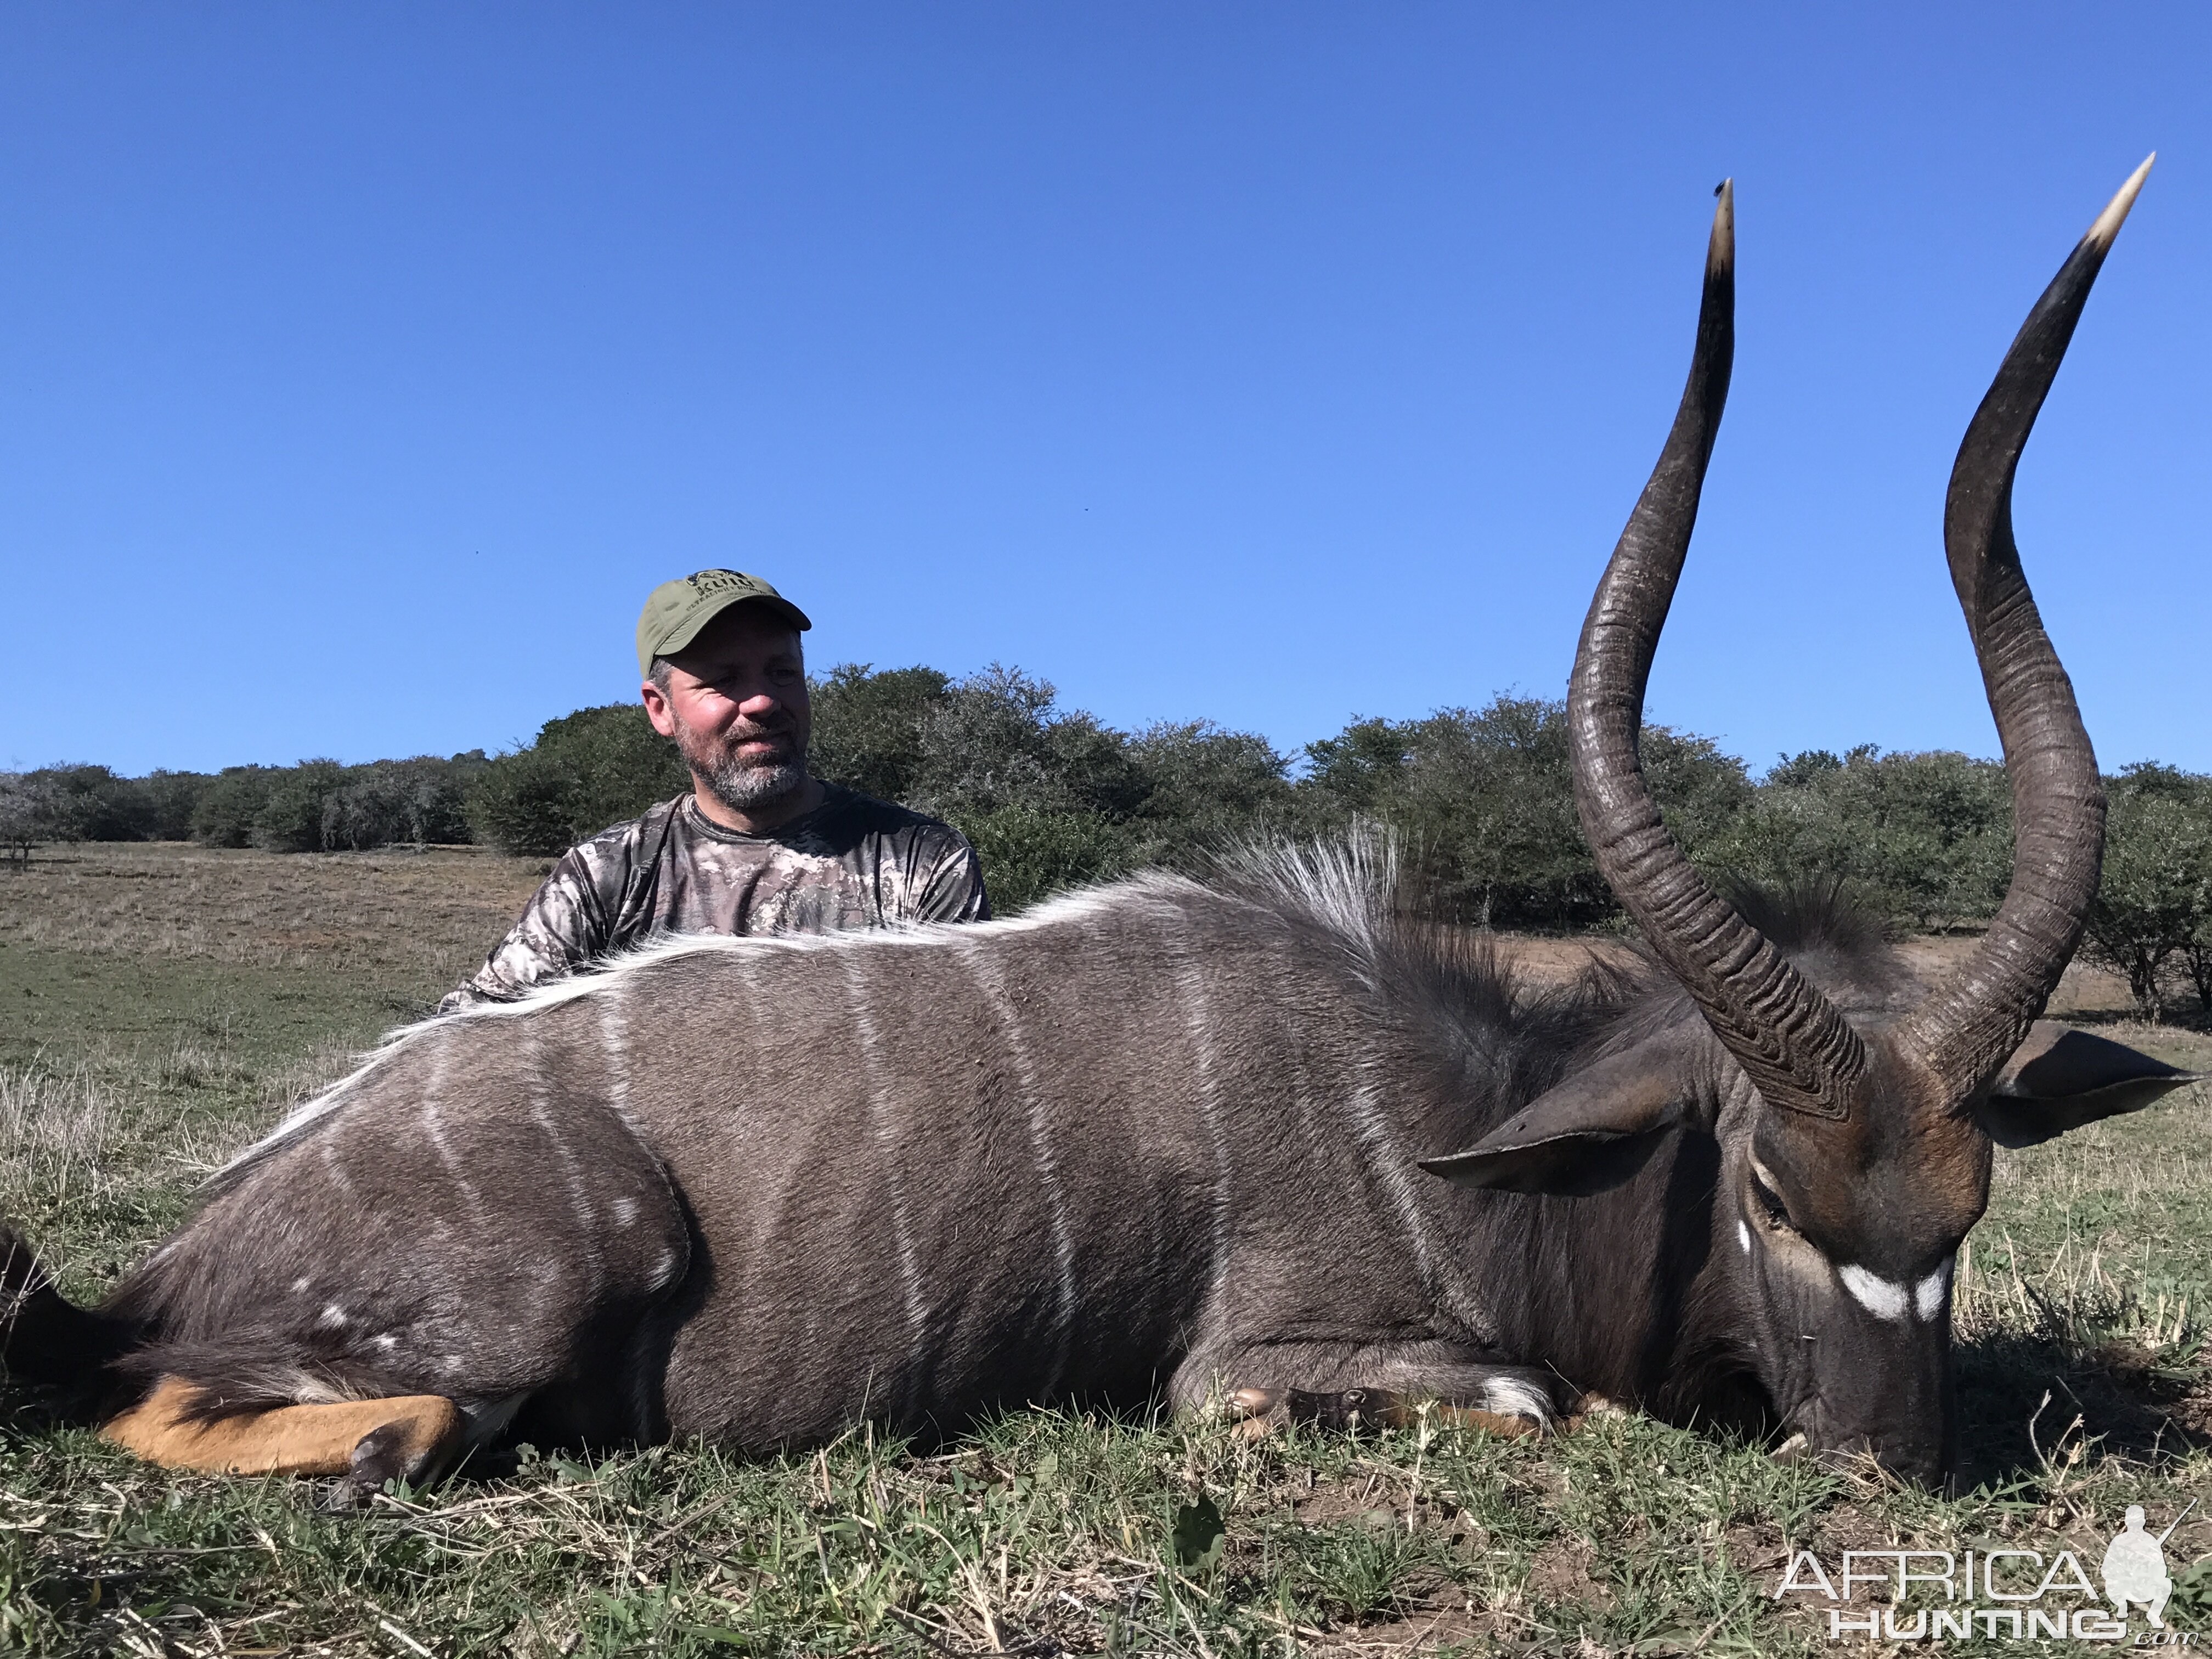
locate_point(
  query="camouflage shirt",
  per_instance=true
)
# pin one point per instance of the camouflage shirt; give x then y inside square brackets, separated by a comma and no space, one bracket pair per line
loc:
[853,861]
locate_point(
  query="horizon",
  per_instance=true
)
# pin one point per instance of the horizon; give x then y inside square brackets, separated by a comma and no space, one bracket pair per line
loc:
[1279,367]
[1296,758]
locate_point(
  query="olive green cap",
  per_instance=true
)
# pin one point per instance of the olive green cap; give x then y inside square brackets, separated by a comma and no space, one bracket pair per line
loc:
[676,611]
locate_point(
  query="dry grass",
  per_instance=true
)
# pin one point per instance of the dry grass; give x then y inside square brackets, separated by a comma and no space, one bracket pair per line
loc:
[413,916]
[169,1002]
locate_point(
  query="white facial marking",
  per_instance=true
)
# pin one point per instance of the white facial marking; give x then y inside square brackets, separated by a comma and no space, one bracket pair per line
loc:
[1927,1295]
[300,1285]
[332,1316]
[388,1342]
[1880,1297]
[1743,1235]
[625,1211]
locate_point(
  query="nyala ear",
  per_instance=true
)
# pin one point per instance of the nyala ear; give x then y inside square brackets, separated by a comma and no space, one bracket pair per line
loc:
[2062,1079]
[1592,1132]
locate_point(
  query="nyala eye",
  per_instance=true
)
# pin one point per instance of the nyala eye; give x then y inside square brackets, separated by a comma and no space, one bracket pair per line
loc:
[1769,1200]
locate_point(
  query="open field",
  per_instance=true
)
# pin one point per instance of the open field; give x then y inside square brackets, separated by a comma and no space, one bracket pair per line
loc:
[162,1004]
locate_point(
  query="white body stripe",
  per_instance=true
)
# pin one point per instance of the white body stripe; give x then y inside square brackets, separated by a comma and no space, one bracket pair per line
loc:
[1190,985]
[614,1042]
[1390,1161]
[1063,1244]
[917,1310]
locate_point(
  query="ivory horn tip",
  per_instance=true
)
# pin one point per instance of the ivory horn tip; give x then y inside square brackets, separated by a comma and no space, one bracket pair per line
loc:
[2116,210]
[1722,252]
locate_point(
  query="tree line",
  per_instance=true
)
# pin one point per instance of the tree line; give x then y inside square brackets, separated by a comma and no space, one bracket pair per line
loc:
[1481,801]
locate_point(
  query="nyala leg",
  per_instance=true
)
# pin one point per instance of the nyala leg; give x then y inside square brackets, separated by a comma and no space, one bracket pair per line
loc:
[1514,1401]
[409,1437]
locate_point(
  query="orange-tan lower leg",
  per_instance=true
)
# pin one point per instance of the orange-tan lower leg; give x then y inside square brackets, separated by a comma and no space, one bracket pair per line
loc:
[422,1432]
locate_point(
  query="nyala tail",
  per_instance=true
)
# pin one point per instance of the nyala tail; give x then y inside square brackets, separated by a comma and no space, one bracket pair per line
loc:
[44,1337]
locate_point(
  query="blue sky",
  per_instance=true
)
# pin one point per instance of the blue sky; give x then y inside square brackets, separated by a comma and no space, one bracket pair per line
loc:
[364,365]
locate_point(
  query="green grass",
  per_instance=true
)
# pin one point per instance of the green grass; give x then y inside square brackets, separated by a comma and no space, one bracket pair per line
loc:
[164,1004]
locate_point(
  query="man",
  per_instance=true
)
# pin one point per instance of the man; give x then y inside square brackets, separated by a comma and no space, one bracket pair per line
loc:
[759,846]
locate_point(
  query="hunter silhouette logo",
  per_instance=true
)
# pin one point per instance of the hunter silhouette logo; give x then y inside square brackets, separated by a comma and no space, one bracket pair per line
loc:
[2015,1594]
[2135,1567]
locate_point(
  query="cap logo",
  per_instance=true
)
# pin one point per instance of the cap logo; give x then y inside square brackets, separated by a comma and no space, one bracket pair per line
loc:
[704,582]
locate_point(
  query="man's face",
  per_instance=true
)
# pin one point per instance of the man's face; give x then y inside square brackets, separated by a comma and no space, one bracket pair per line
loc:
[736,704]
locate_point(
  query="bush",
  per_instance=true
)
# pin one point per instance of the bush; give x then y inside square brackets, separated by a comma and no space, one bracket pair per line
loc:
[170,800]
[1051,797]
[225,814]
[2152,920]
[90,803]
[1484,802]
[1050,794]
[1029,853]
[1927,838]
[583,773]
[868,726]
[422,801]
[291,816]
[28,814]
[320,806]
[1209,786]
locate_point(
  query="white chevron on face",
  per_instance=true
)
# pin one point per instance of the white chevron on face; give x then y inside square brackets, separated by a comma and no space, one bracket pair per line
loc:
[1882,1298]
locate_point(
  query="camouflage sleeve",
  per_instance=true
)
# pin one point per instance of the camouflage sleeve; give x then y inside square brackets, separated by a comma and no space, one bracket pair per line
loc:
[947,883]
[565,924]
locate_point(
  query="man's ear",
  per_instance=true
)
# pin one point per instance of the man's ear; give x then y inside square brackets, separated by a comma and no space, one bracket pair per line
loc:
[2062,1079]
[1592,1132]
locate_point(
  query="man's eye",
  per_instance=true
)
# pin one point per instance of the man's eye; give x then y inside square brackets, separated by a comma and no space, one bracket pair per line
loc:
[1771,1201]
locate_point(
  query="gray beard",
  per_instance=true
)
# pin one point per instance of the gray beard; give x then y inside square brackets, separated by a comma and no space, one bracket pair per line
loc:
[741,785]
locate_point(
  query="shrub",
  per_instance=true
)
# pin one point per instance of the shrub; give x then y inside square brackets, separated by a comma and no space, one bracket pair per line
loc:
[2153,914]
[868,726]
[320,806]
[225,813]
[1029,853]
[90,803]
[584,772]
[1927,838]
[291,816]
[1208,786]
[170,800]
[1483,801]
[1051,797]
[421,801]
[28,813]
